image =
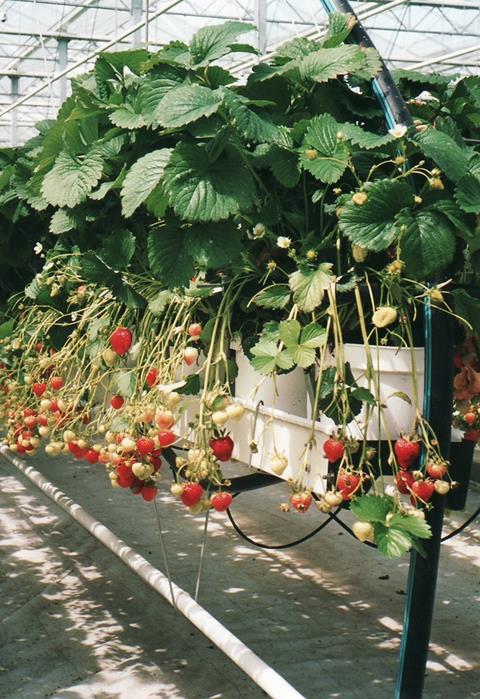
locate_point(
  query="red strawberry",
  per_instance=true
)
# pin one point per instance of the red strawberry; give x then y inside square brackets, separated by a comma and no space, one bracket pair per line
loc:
[195,330]
[436,469]
[91,456]
[149,492]
[152,377]
[422,490]
[167,438]
[222,448]
[54,407]
[472,436]
[407,451]
[145,446]
[221,501]
[301,501]
[348,484]
[121,340]
[125,476]
[470,418]
[39,389]
[404,481]
[57,383]
[192,493]
[73,448]
[117,402]
[28,412]
[190,355]
[43,420]
[334,449]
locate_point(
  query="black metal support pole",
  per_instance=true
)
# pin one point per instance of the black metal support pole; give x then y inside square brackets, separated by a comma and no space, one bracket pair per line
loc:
[423,570]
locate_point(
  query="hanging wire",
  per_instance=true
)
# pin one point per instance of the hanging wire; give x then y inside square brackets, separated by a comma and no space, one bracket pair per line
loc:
[202,556]
[164,552]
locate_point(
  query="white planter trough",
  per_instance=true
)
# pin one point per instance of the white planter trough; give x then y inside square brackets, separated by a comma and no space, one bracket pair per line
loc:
[275,431]
[282,423]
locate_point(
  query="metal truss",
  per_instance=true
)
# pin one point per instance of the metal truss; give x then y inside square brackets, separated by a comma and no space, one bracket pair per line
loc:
[42,38]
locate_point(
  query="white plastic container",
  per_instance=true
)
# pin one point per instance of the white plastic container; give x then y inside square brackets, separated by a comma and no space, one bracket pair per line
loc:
[277,431]
[393,369]
[287,393]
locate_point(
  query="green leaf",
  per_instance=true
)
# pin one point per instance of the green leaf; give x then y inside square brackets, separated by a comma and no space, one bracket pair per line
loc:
[126,118]
[445,152]
[372,508]
[411,524]
[191,387]
[6,328]
[150,95]
[62,221]
[157,202]
[213,42]
[340,24]
[142,178]
[118,249]
[125,383]
[284,166]
[393,543]
[290,332]
[202,191]
[373,225]
[468,308]
[275,296]
[187,103]
[331,154]
[328,63]
[467,194]
[71,179]
[157,305]
[427,244]
[267,357]
[365,139]
[364,395]
[168,257]
[313,336]
[309,286]
[252,126]
[214,246]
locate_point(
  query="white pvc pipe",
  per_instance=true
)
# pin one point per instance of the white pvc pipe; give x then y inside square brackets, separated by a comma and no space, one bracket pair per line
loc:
[253,666]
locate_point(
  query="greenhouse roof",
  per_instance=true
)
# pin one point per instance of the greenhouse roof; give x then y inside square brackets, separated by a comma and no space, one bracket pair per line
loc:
[42,39]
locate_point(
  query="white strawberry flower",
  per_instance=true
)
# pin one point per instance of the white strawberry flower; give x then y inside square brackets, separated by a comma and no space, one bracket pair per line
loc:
[398,131]
[284,242]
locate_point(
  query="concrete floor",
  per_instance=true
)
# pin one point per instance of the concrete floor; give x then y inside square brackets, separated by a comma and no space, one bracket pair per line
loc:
[327,615]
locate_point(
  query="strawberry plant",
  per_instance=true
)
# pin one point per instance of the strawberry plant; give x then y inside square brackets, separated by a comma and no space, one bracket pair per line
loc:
[177,209]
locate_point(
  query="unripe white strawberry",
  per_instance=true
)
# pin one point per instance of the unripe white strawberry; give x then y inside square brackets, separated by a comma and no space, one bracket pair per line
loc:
[128,444]
[235,411]
[219,418]
[68,436]
[362,530]
[45,404]
[333,498]
[176,489]
[44,431]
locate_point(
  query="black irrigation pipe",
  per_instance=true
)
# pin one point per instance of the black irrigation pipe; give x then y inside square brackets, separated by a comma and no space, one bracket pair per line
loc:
[255,481]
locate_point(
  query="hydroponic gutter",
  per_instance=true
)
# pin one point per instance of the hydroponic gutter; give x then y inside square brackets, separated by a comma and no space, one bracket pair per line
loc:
[262,674]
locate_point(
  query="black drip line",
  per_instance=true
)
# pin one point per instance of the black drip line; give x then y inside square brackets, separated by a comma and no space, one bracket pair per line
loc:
[332,516]
[169,456]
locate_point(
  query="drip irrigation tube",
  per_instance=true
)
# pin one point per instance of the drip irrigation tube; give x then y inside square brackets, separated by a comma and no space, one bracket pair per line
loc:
[262,674]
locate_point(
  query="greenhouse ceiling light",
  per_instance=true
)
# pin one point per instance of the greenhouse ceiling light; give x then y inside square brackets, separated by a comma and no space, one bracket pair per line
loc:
[134,28]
